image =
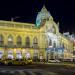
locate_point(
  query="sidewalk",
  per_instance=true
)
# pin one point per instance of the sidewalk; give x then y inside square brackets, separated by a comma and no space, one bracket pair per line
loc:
[58,64]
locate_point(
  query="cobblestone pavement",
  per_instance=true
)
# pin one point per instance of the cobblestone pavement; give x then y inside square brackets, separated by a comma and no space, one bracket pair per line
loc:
[37,70]
[26,72]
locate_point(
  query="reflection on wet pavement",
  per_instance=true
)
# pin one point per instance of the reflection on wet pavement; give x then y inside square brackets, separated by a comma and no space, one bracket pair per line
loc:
[27,72]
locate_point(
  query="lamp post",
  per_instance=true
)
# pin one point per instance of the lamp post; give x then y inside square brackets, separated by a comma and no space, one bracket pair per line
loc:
[13,18]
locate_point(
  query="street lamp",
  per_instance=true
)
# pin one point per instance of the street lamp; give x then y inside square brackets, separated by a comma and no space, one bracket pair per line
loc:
[13,18]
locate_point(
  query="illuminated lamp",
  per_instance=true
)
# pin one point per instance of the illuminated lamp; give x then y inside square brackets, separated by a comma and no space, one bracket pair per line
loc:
[27,55]
[1,54]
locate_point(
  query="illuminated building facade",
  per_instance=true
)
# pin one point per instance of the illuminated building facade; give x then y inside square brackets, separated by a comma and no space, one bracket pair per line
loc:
[39,41]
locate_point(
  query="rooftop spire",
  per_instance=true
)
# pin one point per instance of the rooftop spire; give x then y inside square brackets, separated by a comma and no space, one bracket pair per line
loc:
[44,9]
[42,15]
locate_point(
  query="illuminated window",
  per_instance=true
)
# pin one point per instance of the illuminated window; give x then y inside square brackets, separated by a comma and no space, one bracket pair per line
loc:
[35,56]
[1,40]
[50,42]
[19,41]
[63,45]
[10,54]
[54,29]
[54,44]
[43,22]
[35,43]
[73,52]
[1,54]
[10,40]
[27,42]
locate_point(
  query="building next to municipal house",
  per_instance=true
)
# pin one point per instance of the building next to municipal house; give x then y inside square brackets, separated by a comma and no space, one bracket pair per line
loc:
[39,41]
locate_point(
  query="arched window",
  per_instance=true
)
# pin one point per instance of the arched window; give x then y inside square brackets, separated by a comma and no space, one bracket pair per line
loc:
[27,42]
[50,42]
[63,45]
[54,29]
[19,41]
[54,44]
[35,42]
[1,40]
[10,40]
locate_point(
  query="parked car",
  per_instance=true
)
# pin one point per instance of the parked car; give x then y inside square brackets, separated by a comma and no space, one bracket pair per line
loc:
[53,60]
[18,62]
[58,61]
[68,60]
[29,61]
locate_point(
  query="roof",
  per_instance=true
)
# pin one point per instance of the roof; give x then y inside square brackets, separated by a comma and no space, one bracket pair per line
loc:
[12,22]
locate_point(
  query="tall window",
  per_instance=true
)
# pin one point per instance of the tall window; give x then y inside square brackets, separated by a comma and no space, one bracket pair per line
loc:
[19,41]
[54,44]
[35,43]
[63,45]
[1,40]
[27,42]
[50,42]
[10,40]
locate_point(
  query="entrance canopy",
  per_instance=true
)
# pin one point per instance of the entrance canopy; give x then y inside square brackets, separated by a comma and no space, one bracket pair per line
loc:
[57,49]
[50,49]
[10,51]
[60,50]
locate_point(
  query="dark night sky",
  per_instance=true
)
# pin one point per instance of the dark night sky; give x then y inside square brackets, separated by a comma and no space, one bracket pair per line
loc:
[62,11]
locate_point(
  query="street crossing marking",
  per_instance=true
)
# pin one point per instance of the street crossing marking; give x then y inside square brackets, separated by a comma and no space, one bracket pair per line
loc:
[27,72]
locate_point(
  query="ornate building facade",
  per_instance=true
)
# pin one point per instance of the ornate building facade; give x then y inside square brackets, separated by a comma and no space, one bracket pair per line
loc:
[39,41]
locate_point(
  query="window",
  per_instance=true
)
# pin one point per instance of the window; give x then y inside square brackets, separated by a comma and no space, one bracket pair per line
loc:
[1,40]
[73,52]
[35,56]
[19,41]
[35,43]
[10,40]
[18,54]
[63,45]
[27,42]
[50,42]
[10,54]
[54,44]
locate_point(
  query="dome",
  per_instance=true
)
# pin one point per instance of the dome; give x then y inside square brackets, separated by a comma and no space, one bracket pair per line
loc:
[43,14]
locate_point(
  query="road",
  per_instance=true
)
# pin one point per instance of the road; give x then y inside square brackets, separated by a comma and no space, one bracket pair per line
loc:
[40,69]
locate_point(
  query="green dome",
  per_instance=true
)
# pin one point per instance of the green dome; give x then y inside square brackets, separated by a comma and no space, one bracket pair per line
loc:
[43,14]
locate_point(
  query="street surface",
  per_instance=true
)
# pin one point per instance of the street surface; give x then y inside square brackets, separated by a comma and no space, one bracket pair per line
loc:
[39,69]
